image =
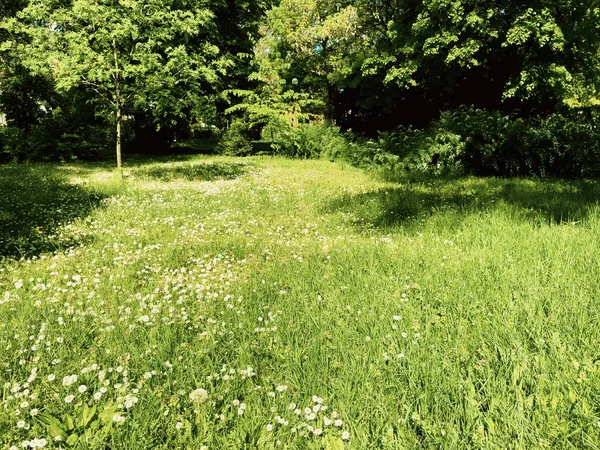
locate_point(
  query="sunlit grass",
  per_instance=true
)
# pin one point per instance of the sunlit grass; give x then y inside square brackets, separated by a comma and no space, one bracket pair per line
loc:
[403,313]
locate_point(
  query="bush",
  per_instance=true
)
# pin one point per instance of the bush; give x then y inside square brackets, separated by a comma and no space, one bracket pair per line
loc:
[309,141]
[487,143]
[406,149]
[50,141]
[4,144]
[467,140]
[562,145]
[235,141]
[573,144]
[27,145]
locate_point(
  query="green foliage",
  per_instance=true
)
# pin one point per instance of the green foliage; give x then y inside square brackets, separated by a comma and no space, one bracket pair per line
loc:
[381,58]
[565,145]
[484,142]
[163,62]
[235,141]
[309,141]
[461,35]
[87,425]
[310,41]
[25,98]
[18,145]
[404,150]
[365,153]
[148,56]
[8,9]
[65,133]
[438,151]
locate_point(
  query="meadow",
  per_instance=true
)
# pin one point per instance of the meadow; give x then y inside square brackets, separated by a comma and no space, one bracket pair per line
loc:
[262,303]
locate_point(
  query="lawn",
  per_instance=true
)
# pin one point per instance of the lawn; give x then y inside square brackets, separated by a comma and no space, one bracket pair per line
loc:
[266,303]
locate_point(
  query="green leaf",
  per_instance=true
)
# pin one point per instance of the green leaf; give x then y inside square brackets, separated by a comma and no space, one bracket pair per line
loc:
[107,413]
[53,425]
[334,443]
[56,431]
[69,422]
[48,419]
[87,414]
[72,439]
[491,427]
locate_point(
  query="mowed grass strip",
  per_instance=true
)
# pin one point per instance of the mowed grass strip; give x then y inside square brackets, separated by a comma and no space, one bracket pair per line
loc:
[267,303]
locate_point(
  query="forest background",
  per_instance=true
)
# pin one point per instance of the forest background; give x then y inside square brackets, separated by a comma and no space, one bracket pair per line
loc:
[443,86]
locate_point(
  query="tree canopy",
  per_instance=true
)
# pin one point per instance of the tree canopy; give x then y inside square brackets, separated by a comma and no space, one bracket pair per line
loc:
[156,59]
[367,65]
[403,61]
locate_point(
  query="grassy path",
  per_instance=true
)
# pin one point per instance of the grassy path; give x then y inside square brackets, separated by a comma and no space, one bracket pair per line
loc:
[267,303]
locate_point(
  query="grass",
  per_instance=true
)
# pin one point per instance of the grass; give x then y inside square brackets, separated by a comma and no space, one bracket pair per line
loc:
[269,303]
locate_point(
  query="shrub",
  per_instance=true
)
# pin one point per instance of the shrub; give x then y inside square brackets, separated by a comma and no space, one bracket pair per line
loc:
[235,141]
[488,143]
[49,142]
[563,144]
[309,141]
[481,142]
[435,151]
[27,145]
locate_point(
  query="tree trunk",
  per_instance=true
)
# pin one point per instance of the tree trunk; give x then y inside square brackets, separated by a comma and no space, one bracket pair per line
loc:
[119,165]
[118,108]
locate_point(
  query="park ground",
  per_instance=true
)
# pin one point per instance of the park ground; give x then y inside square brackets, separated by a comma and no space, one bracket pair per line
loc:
[212,302]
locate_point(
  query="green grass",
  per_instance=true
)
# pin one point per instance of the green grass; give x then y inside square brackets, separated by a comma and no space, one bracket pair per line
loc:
[440,313]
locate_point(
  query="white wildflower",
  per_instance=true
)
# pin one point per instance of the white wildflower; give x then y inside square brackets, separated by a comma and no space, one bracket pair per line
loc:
[199,395]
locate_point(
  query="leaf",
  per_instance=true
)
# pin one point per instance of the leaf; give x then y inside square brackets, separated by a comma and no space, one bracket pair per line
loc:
[491,427]
[56,431]
[529,401]
[72,439]
[69,422]
[107,413]
[48,419]
[87,414]
[334,443]
[53,425]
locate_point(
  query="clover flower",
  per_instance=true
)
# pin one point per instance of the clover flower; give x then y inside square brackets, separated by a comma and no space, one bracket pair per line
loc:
[199,395]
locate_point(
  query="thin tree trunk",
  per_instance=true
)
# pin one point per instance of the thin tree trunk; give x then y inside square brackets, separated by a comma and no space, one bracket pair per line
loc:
[118,109]
[119,165]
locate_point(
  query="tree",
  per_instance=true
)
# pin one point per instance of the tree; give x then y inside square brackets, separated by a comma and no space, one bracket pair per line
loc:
[25,98]
[273,98]
[313,40]
[509,54]
[132,54]
[8,8]
[378,63]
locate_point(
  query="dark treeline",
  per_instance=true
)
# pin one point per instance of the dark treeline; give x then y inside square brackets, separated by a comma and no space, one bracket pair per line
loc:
[491,87]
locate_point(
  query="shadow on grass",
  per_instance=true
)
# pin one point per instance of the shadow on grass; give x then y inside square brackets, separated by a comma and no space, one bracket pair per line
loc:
[208,146]
[195,146]
[408,202]
[35,200]
[191,171]
[163,168]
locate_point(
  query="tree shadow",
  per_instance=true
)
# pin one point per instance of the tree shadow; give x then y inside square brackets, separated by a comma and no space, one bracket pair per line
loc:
[207,147]
[408,202]
[35,202]
[190,171]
